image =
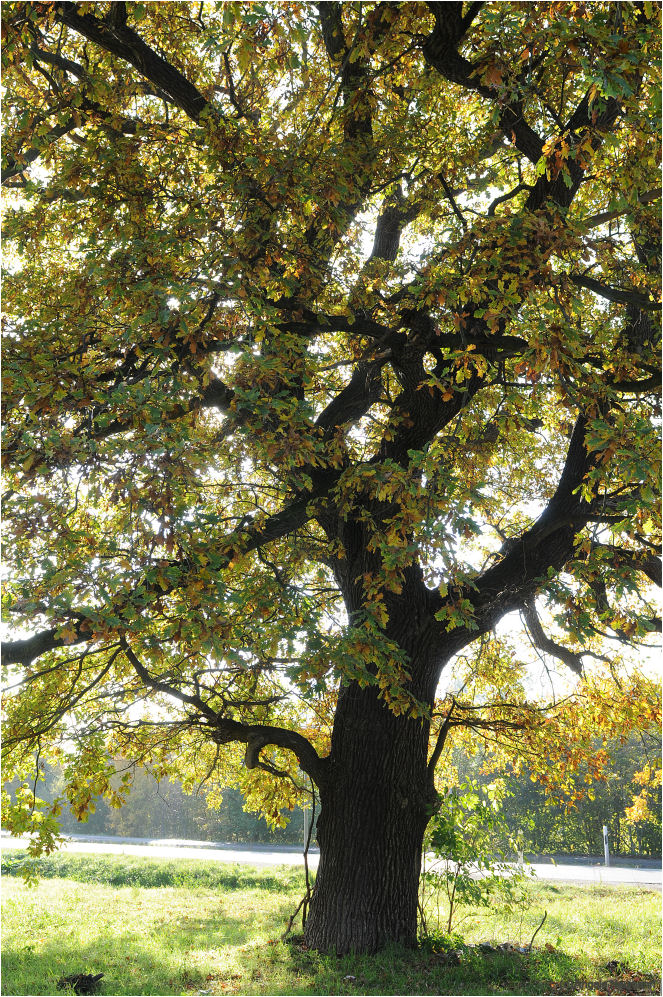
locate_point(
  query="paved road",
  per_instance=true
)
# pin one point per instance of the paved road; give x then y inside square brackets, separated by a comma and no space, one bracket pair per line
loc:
[649,878]
[265,855]
[176,849]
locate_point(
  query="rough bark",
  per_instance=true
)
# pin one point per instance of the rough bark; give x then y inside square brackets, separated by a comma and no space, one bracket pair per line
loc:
[375,808]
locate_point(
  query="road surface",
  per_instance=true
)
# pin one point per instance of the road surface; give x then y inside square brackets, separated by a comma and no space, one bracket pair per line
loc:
[269,855]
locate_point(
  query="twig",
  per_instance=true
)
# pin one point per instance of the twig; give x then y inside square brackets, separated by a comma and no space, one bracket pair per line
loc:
[292,919]
[307,896]
[304,902]
[545,915]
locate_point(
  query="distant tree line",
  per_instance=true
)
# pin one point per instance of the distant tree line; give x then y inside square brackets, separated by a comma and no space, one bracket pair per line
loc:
[547,826]
[161,809]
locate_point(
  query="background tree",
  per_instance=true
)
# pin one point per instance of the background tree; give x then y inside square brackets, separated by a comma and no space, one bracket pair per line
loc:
[331,340]
[164,810]
[555,819]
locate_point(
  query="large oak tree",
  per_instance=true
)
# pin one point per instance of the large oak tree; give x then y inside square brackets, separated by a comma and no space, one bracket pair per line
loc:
[331,340]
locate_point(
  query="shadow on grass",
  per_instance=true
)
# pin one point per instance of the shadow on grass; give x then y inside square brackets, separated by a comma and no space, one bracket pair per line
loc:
[170,947]
[154,962]
[401,971]
[124,870]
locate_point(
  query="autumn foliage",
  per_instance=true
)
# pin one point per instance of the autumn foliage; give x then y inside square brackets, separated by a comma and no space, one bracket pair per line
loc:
[331,342]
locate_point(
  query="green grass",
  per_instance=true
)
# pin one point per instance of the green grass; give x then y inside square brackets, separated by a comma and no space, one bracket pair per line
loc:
[188,927]
[129,870]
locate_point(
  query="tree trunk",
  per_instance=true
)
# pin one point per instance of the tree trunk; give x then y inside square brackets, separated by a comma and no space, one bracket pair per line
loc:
[375,808]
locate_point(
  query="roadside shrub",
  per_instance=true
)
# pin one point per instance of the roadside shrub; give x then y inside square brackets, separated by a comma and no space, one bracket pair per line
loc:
[469,841]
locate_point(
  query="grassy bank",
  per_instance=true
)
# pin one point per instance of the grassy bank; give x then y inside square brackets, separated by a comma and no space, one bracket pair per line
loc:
[186,927]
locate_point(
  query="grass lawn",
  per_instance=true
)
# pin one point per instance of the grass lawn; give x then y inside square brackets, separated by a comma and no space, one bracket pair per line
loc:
[188,927]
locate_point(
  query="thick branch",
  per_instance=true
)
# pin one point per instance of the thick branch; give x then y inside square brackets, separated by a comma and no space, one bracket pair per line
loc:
[277,526]
[122,41]
[440,742]
[258,736]
[547,644]
[393,217]
[548,543]
[17,164]
[607,216]
[23,652]
[441,51]
[224,730]
[351,403]
[619,295]
[646,562]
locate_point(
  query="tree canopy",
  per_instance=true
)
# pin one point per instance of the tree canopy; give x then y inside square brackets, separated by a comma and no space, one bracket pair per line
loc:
[331,339]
